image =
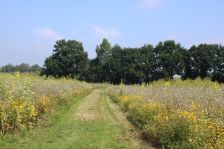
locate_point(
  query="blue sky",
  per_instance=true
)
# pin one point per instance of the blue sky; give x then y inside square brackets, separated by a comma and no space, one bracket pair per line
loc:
[29,28]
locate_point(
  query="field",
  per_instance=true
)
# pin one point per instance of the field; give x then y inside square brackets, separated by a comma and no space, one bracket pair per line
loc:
[24,99]
[41,112]
[139,74]
[175,114]
[38,112]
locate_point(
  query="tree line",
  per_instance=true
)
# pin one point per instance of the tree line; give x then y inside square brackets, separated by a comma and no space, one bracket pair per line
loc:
[23,68]
[135,65]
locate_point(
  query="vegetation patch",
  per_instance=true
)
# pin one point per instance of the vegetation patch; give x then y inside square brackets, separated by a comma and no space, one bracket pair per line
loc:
[24,99]
[176,114]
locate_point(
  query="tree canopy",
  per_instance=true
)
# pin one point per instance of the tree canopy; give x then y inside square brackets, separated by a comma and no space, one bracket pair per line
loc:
[135,65]
[68,59]
[23,68]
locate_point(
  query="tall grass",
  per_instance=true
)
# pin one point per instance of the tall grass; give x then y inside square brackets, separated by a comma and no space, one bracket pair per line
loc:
[25,98]
[176,114]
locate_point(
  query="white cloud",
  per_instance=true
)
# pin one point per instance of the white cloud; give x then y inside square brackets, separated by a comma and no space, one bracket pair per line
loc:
[106,32]
[150,3]
[48,33]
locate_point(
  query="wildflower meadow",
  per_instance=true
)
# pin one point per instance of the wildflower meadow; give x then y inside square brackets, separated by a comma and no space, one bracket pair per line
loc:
[175,114]
[25,98]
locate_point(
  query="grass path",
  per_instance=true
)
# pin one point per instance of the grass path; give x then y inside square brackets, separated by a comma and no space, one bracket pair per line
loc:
[92,122]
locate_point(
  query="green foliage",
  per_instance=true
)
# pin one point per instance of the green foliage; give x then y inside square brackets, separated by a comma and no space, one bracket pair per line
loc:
[218,65]
[22,68]
[132,65]
[147,64]
[202,57]
[103,48]
[169,57]
[68,60]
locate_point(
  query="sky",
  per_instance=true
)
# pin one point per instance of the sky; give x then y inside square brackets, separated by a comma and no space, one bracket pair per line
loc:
[30,28]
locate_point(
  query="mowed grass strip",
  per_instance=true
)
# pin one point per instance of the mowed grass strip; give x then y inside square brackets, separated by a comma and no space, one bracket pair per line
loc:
[92,121]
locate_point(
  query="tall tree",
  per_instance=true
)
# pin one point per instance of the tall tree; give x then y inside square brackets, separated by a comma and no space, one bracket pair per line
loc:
[104,47]
[218,65]
[188,66]
[101,62]
[133,66]
[169,57]
[202,57]
[149,64]
[114,64]
[68,59]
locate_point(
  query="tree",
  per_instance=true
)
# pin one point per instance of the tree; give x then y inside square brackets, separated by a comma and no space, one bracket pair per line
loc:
[102,70]
[104,47]
[149,64]
[24,67]
[202,57]
[169,58]
[188,65]
[68,59]
[218,65]
[8,68]
[115,65]
[93,75]
[132,66]
[35,68]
